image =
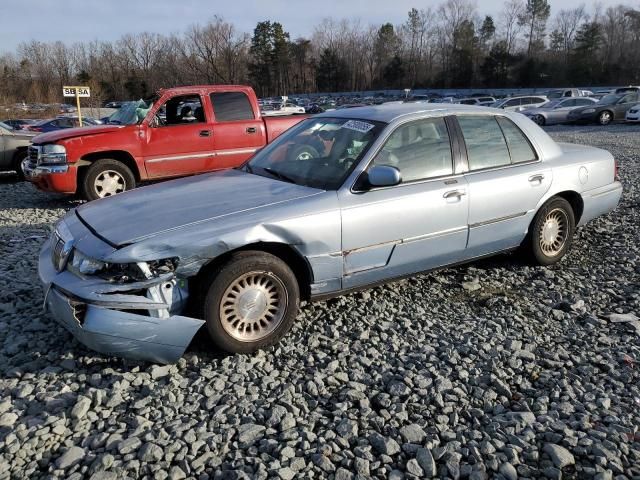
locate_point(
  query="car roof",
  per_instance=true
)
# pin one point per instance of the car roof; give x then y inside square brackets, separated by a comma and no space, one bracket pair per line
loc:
[390,112]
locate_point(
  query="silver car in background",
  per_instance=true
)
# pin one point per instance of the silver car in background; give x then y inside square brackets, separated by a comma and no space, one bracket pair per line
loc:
[343,200]
[557,111]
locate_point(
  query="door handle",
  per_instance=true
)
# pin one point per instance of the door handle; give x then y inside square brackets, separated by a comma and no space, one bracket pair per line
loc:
[205,133]
[538,177]
[252,129]
[454,193]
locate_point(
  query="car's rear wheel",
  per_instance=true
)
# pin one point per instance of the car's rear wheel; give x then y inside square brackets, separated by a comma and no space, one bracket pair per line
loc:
[540,120]
[251,302]
[105,178]
[605,117]
[551,232]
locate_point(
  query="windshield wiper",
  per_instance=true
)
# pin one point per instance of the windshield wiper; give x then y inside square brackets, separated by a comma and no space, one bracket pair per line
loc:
[278,175]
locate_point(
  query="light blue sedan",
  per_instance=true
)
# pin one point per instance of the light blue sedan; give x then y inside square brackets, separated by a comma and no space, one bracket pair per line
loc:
[344,200]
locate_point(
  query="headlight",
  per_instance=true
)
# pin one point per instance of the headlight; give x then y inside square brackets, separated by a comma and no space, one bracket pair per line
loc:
[86,265]
[53,153]
[589,110]
[121,272]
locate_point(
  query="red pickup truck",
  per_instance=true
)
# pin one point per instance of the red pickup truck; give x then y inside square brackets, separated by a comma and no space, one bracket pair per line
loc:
[181,131]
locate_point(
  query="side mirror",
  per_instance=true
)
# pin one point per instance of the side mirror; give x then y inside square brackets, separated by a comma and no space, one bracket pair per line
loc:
[383,176]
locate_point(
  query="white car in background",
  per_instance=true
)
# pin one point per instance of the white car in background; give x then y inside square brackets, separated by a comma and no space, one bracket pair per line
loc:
[518,104]
[285,108]
[633,114]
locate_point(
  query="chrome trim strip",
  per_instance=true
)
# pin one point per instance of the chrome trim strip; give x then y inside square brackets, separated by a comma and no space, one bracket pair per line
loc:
[181,157]
[231,151]
[402,241]
[441,233]
[496,220]
[613,188]
[235,151]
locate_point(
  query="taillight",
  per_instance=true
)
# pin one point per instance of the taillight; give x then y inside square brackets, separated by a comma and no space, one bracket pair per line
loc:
[616,172]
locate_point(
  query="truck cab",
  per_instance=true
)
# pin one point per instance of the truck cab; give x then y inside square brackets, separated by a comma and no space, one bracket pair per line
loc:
[177,132]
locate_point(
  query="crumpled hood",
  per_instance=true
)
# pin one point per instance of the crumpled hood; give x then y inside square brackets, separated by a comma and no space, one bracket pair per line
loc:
[64,133]
[144,212]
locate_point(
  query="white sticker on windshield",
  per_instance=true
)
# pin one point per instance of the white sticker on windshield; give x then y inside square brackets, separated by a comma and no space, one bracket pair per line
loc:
[358,126]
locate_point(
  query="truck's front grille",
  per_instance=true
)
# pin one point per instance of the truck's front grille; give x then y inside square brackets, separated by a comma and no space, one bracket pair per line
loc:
[33,154]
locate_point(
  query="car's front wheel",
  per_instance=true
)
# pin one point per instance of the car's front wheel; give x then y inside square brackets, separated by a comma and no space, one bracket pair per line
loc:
[605,117]
[251,302]
[540,120]
[551,232]
[105,178]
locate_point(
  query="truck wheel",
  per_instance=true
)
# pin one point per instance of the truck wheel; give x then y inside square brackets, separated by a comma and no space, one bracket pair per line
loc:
[551,232]
[251,303]
[605,117]
[303,152]
[105,178]
[18,157]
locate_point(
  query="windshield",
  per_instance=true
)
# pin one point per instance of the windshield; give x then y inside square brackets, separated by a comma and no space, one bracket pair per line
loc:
[5,126]
[131,113]
[317,153]
[609,99]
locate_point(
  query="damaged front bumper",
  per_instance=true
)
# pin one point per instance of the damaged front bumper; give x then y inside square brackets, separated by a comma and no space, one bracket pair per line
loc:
[102,315]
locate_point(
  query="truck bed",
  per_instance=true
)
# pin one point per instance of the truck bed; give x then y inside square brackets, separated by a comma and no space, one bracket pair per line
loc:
[274,126]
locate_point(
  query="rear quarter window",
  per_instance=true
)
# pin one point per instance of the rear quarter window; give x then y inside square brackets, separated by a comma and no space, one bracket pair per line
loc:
[231,106]
[520,149]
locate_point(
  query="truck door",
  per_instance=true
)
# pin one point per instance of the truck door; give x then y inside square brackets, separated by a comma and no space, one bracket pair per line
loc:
[178,141]
[237,133]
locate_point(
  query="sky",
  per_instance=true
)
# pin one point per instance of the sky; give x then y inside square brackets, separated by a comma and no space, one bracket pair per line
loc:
[86,20]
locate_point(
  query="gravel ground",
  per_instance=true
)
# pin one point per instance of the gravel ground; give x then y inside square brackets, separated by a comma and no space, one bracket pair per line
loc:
[492,369]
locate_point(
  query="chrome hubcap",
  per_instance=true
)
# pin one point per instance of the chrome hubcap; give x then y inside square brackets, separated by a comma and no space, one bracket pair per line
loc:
[304,156]
[253,306]
[109,183]
[553,233]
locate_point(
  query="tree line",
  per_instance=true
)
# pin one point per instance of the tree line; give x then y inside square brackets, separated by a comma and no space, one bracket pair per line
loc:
[449,46]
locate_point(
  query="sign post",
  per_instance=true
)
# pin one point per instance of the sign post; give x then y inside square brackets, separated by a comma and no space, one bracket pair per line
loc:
[77,92]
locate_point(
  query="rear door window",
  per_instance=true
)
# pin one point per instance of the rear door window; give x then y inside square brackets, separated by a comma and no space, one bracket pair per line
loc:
[486,145]
[520,149]
[231,106]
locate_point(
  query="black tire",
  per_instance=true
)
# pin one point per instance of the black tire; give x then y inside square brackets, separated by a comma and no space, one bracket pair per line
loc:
[106,166]
[18,157]
[605,117]
[540,120]
[221,284]
[544,251]
[301,151]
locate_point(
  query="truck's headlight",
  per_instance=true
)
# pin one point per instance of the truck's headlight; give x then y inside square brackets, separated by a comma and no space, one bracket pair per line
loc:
[589,110]
[53,153]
